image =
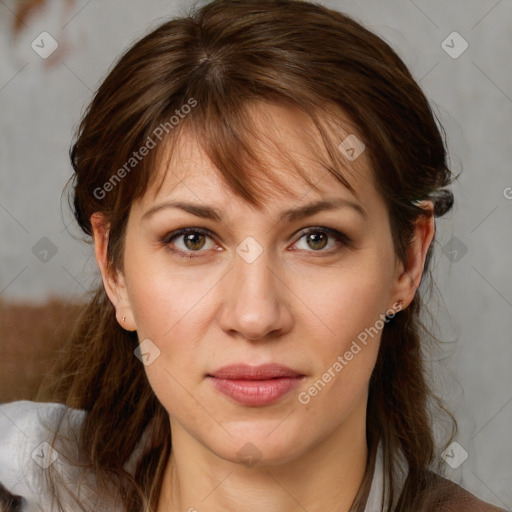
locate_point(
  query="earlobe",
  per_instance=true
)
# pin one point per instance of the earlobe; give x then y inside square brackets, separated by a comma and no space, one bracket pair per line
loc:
[115,286]
[411,271]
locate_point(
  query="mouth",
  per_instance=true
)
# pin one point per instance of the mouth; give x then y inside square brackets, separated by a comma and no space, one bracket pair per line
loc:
[255,386]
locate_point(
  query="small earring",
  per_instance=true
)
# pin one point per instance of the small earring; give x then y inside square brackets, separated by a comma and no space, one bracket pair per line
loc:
[124,318]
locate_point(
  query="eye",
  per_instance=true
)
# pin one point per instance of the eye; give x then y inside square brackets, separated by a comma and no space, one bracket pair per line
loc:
[318,238]
[195,240]
[192,240]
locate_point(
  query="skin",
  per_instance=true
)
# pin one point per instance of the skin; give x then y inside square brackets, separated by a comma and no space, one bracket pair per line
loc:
[301,308]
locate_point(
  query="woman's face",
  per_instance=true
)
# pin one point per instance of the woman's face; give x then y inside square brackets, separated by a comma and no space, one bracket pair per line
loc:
[253,289]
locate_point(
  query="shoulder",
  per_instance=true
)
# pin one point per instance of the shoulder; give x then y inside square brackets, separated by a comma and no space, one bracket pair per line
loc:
[447,496]
[26,431]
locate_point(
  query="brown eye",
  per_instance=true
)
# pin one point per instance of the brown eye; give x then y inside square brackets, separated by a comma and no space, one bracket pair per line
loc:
[187,241]
[194,241]
[317,239]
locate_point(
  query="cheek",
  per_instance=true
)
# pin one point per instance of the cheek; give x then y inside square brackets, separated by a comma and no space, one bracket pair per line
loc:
[350,313]
[164,297]
[343,359]
[172,308]
[351,300]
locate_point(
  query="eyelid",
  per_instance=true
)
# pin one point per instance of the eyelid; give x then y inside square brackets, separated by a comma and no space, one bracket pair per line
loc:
[177,233]
[335,233]
[183,231]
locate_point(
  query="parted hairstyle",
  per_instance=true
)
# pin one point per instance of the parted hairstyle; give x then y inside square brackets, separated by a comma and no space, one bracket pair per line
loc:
[199,73]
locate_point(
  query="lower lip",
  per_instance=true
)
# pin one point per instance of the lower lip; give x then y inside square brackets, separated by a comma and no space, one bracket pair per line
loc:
[255,393]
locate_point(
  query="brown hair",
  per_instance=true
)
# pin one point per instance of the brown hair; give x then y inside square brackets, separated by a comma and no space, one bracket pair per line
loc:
[217,60]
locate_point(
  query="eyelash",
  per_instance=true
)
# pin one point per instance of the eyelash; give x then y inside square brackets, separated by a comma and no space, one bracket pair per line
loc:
[341,239]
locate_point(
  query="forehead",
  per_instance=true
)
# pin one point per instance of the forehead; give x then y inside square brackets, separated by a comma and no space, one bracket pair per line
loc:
[287,138]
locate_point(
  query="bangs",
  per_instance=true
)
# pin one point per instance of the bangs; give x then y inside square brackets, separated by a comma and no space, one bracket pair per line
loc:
[241,141]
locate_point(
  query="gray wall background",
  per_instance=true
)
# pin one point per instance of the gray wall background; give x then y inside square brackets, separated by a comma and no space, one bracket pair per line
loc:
[41,101]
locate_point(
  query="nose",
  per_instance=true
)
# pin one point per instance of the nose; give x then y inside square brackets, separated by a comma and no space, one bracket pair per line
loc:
[255,300]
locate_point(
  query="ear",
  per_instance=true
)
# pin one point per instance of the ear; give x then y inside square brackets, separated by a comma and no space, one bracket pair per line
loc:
[115,285]
[409,273]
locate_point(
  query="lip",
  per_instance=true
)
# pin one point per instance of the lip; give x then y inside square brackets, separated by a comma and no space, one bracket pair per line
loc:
[248,372]
[255,386]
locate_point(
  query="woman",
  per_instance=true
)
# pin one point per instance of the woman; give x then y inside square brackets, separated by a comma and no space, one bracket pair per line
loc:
[260,181]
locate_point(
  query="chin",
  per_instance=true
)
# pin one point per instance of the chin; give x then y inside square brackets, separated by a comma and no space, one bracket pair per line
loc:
[256,448]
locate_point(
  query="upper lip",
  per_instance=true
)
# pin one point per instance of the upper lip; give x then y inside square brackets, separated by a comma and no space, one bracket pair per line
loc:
[248,372]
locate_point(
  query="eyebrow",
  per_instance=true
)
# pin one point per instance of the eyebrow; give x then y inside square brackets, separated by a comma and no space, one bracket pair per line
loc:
[290,215]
